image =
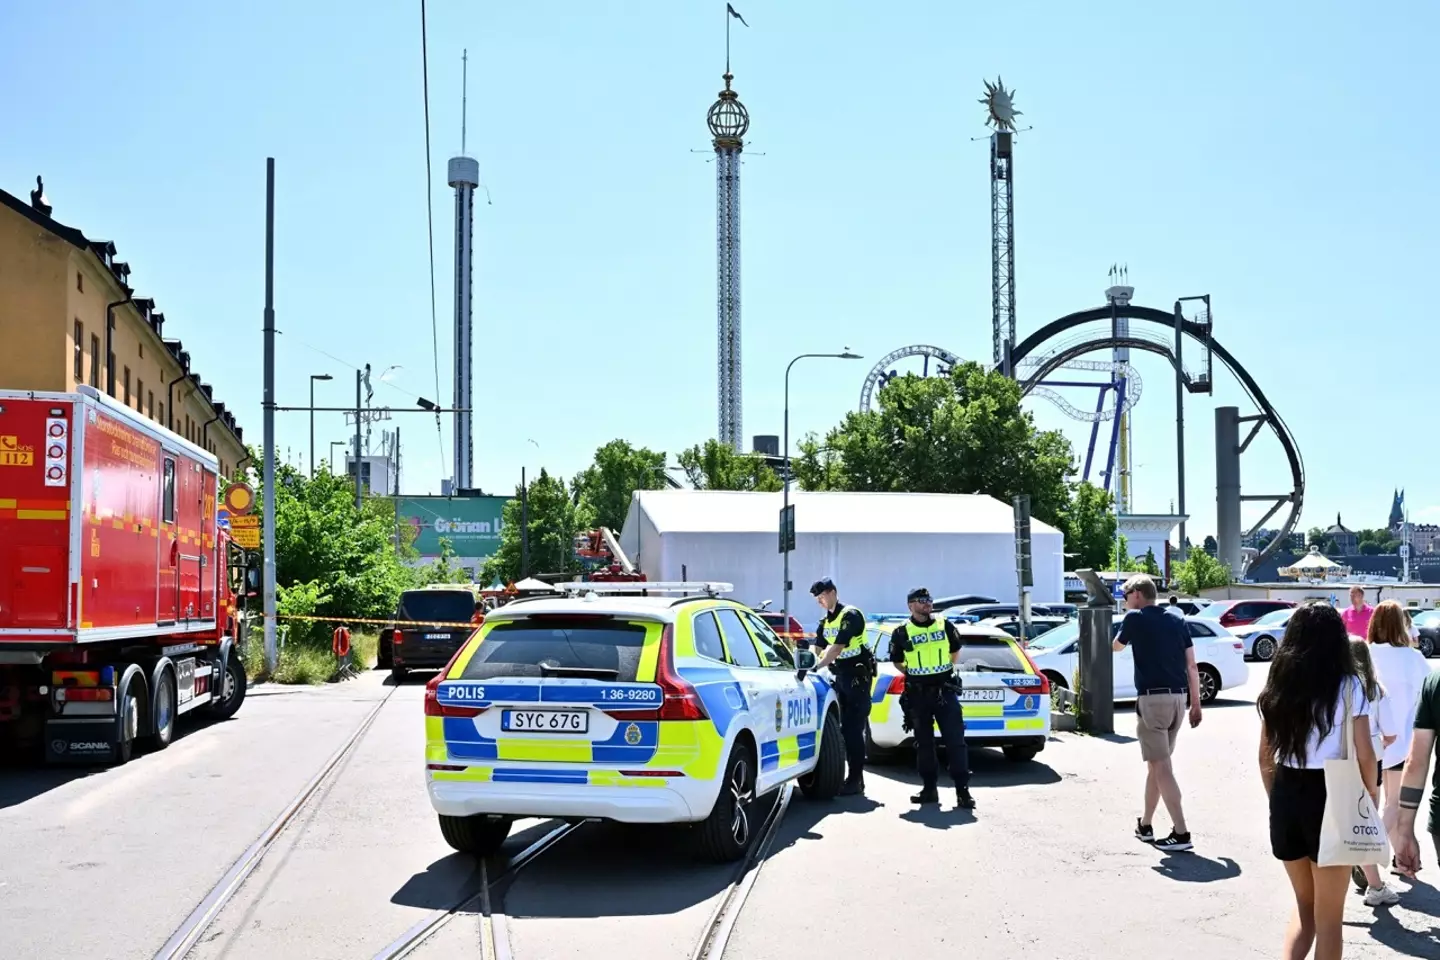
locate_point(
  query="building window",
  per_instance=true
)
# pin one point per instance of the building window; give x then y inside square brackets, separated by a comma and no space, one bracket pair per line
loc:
[139,394]
[127,386]
[150,404]
[142,351]
[94,361]
[161,418]
[79,281]
[79,351]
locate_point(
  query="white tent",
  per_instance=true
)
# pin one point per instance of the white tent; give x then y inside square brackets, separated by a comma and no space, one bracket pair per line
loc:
[876,546]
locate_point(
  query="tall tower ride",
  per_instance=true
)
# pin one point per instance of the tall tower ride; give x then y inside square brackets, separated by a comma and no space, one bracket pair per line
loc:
[1001,105]
[728,121]
[464,177]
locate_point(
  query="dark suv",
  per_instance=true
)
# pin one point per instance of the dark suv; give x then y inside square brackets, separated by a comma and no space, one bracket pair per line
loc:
[424,634]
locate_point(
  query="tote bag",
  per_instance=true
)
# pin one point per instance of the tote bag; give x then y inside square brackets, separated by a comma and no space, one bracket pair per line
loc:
[1351,834]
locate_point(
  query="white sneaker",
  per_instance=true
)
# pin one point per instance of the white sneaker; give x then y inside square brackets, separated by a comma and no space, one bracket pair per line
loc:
[1381,896]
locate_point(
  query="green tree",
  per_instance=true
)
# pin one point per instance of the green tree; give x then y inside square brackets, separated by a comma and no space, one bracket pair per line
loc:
[1089,527]
[1315,537]
[1148,563]
[1199,572]
[1119,560]
[444,569]
[330,559]
[1211,545]
[619,469]
[963,434]
[716,466]
[556,516]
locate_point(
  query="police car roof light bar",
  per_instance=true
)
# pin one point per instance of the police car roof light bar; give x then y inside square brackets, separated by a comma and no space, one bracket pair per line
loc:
[704,588]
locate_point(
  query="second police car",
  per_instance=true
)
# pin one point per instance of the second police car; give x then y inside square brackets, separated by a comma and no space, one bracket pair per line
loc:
[1006,701]
[641,709]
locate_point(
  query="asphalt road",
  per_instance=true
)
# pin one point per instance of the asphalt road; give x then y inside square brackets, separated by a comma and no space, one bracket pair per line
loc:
[1046,867]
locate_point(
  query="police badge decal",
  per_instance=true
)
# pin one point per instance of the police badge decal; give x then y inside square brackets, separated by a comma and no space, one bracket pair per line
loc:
[632,734]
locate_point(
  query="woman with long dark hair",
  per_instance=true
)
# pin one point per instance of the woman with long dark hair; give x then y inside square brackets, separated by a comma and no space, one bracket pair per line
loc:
[1302,717]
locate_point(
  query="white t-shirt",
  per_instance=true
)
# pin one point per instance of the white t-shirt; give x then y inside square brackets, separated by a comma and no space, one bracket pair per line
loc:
[1402,671]
[1318,751]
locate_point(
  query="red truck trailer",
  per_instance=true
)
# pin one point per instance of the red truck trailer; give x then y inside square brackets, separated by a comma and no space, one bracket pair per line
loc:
[117,606]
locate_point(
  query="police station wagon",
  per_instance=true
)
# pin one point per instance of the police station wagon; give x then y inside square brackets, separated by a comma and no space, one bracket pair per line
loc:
[678,706]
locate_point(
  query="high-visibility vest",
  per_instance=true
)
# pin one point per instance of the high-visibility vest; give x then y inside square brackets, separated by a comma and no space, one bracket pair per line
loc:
[830,629]
[929,651]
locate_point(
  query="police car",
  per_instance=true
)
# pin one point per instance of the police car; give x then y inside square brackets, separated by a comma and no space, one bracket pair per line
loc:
[1005,699]
[678,706]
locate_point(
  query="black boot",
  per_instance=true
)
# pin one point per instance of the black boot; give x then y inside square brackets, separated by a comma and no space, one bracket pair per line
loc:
[963,800]
[927,794]
[853,786]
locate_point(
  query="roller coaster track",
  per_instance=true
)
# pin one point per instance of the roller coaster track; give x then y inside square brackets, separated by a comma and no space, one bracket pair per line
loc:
[1056,357]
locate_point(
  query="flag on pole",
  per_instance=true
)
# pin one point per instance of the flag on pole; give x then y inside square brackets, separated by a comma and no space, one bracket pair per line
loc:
[734,14]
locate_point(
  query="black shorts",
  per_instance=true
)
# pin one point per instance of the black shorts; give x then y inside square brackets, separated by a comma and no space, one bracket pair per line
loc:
[1297,805]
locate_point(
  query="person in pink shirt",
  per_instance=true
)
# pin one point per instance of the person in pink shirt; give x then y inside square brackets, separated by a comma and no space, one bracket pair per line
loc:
[1357,618]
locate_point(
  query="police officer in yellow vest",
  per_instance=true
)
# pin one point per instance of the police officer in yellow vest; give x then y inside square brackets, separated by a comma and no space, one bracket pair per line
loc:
[926,651]
[841,639]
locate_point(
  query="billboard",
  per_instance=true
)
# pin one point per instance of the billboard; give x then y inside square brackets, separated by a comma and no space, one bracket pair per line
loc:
[471,524]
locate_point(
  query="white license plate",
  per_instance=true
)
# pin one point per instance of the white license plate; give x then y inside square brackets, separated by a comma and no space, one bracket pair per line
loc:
[982,696]
[545,721]
[437,636]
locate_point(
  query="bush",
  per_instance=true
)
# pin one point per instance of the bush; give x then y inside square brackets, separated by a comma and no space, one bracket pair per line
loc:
[308,663]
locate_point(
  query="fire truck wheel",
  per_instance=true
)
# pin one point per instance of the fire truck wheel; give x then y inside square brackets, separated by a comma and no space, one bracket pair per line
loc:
[165,706]
[231,691]
[128,723]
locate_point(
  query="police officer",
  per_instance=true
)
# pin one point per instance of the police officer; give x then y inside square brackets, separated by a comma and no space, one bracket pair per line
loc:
[926,651]
[841,639]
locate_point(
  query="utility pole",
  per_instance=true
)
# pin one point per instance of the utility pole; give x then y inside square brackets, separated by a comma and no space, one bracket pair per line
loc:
[524,526]
[268,518]
[1024,569]
[359,385]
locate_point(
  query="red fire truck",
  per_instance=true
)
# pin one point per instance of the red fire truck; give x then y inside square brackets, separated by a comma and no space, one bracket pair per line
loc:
[117,605]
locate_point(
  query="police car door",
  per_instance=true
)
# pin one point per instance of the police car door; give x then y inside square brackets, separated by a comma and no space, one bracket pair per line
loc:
[764,695]
[799,704]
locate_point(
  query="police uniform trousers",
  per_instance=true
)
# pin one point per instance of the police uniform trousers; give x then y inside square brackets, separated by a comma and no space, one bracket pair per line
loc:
[938,704]
[852,691]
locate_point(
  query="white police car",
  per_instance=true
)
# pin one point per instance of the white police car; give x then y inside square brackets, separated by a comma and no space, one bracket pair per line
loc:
[662,708]
[1005,699]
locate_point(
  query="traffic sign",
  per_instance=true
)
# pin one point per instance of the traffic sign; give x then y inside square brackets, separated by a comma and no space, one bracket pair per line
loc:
[248,522]
[247,538]
[239,499]
[787,529]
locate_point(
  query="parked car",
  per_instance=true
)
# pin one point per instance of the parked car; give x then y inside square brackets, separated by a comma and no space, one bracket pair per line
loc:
[788,630]
[1262,638]
[1428,623]
[1218,654]
[429,625]
[1237,613]
[960,600]
[975,612]
[1038,625]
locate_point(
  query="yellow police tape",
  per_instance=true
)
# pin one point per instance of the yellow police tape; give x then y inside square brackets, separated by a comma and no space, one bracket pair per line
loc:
[455,624]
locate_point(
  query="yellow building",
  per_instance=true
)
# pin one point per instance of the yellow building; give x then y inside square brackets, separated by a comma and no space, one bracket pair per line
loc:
[57,290]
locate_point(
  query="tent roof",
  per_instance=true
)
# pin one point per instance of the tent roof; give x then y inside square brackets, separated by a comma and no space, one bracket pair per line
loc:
[724,511]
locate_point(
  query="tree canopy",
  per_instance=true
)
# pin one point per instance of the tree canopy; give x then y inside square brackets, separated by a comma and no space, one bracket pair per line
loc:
[716,466]
[1089,527]
[619,469]
[555,516]
[965,433]
[1197,572]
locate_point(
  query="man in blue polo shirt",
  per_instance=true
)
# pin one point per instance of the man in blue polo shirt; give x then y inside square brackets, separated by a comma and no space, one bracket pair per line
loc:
[1165,676]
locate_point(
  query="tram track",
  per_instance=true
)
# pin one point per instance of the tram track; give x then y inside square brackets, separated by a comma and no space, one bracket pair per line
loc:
[188,934]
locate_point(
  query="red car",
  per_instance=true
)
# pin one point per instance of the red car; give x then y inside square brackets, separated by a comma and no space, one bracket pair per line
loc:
[1237,613]
[775,620]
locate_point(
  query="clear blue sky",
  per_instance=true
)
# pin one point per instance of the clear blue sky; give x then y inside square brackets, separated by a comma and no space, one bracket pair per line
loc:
[1275,156]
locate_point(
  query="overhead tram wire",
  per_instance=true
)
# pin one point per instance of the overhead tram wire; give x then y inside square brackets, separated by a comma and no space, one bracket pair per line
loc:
[430,217]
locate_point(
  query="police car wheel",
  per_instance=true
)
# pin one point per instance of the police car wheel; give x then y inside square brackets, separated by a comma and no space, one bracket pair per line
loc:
[480,836]
[726,833]
[824,782]
[1019,754]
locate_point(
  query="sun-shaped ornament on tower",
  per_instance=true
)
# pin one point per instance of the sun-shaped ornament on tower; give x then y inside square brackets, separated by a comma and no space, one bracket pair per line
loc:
[728,119]
[1001,104]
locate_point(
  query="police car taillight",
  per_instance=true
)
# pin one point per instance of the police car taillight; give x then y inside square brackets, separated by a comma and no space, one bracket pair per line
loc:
[679,700]
[1042,682]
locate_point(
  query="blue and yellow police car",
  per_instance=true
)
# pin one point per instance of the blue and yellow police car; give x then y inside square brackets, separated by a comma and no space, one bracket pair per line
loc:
[676,706]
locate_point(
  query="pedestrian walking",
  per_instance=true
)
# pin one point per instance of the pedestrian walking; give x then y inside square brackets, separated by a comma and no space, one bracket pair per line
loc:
[1357,618]
[1402,670]
[926,650]
[1383,724]
[841,634]
[1312,681]
[1412,787]
[1165,676]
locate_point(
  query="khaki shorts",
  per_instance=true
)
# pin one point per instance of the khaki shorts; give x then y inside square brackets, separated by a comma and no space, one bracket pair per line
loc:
[1161,715]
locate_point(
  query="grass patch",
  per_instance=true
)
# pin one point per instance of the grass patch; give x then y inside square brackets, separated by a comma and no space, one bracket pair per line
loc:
[305,664]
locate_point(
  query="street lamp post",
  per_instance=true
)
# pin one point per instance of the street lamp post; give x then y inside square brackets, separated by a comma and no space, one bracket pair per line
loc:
[313,378]
[785,510]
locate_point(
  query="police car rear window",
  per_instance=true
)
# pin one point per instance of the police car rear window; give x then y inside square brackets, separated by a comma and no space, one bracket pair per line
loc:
[989,655]
[593,648]
[437,606]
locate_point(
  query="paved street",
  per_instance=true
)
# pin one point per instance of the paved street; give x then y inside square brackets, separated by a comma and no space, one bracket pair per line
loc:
[1046,867]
